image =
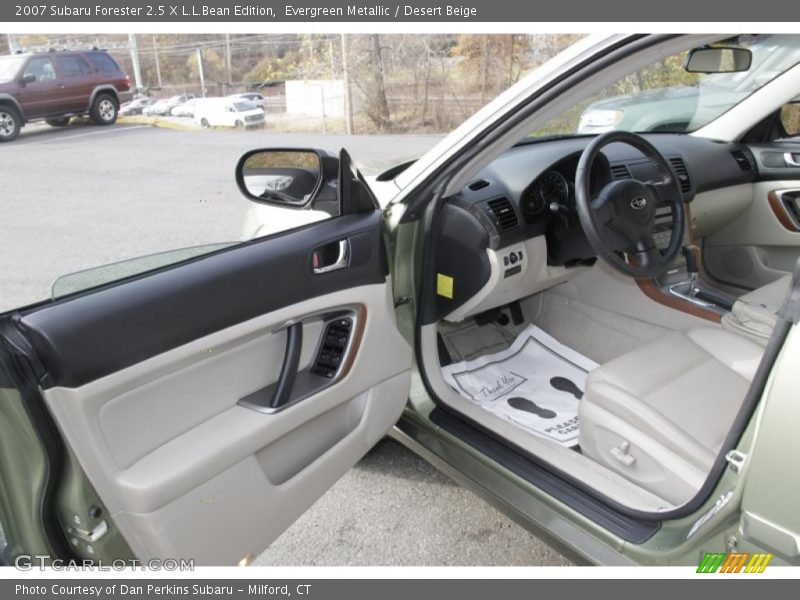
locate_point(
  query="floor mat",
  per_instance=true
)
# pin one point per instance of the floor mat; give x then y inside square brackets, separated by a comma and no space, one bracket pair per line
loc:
[468,340]
[536,383]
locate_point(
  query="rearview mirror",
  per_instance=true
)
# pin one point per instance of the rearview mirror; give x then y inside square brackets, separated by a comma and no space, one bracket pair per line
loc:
[280,176]
[718,60]
[29,78]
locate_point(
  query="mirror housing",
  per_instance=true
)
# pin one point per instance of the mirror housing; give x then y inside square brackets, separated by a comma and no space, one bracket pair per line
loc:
[287,177]
[718,59]
[28,78]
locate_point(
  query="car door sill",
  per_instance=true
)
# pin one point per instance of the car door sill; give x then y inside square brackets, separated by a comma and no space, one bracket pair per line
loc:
[522,464]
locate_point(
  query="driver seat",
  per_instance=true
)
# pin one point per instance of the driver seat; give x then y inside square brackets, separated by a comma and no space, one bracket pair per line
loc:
[659,415]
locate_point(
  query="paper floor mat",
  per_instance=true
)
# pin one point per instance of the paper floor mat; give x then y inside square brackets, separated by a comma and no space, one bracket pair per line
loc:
[536,384]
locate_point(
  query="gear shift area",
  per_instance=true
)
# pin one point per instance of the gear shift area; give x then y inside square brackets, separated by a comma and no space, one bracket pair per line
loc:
[691,290]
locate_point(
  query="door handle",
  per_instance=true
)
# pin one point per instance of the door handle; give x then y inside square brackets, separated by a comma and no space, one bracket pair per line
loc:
[790,160]
[291,362]
[330,257]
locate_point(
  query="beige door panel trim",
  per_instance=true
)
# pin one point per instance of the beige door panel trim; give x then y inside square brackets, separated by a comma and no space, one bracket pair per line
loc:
[758,225]
[154,431]
[759,246]
[239,511]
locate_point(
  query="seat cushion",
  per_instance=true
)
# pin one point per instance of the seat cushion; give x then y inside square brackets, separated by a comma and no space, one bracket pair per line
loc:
[672,401]
[770,296]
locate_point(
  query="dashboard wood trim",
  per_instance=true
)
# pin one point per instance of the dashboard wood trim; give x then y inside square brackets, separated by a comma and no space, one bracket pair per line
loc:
[652,291]
[780,212]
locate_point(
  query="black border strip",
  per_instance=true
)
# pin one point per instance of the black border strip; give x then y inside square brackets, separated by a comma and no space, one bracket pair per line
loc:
[83,337]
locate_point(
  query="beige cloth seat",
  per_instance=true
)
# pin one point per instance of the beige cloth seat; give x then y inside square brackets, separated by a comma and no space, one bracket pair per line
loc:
[658,415]
[769,297]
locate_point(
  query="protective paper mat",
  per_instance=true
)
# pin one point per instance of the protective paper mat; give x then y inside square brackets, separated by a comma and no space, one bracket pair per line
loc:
[536,384]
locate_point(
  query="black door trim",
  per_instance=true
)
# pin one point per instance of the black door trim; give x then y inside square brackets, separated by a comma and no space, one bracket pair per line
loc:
[81,339]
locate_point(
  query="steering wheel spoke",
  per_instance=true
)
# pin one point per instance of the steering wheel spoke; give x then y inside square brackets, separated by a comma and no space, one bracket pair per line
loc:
[666,190]
[648,255]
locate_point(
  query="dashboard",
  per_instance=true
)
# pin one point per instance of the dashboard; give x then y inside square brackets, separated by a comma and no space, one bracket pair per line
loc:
[514,229]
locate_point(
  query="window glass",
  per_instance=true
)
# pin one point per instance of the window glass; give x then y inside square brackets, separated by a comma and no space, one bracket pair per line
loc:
[9,65]
[103,62]
[42,68]
[664,97]
[73,66]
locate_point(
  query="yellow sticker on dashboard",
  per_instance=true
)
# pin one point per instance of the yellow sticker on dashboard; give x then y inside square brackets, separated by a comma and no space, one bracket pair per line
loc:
[444,285]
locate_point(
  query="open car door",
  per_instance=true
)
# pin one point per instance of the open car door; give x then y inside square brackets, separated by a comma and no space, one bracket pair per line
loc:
[210,403]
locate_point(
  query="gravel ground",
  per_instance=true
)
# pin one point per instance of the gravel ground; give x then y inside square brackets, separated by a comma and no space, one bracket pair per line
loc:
[393,508]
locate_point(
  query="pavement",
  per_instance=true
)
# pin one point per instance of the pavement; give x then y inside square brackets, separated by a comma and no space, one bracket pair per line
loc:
[82,196]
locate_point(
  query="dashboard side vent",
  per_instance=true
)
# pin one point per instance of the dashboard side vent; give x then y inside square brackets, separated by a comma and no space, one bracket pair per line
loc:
[683,174]
[478,185]
[505,217]
[620,172]
[744,160]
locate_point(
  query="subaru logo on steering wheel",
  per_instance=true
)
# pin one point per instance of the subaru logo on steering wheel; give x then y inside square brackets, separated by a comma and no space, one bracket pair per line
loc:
[638,203]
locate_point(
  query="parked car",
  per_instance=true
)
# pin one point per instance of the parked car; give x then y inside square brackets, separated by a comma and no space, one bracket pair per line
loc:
[56,86]
[253,97]
[523,310]
[228,112]
[164,106]
[185,109]
[136,106]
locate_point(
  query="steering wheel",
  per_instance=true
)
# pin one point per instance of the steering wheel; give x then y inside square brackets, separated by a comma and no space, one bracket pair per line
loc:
[621,217]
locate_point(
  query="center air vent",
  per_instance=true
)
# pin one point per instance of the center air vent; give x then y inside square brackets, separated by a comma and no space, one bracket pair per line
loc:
[620,172]
[744,160]
[503,214]
[683,174]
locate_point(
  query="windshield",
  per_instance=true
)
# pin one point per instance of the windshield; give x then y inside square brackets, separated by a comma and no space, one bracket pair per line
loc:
[664,97]
[9,66]
[243,106]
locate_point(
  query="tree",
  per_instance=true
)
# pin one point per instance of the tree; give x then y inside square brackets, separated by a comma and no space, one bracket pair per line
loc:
[377,106]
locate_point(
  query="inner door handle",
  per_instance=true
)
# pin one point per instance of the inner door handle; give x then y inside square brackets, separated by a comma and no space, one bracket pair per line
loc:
[330,257]
[791,161]
[291,362]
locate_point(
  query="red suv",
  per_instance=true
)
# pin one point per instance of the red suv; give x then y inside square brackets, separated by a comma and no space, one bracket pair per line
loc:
[55,86]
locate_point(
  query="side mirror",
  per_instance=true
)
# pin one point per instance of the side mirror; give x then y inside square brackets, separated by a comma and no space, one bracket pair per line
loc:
[285,177]
[718,60]
[28,78]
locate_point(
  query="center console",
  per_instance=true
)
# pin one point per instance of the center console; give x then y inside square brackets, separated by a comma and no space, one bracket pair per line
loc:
[681,283]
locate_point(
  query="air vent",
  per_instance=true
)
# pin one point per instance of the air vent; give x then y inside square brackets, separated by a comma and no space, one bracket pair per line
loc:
[505,217]
[744,160]
[683,174]
[620,172]
[478,185]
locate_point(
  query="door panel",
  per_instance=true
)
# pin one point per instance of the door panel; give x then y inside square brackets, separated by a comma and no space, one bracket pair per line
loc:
[41,97]
[146,381]
[75,78]
[770,519]
[757,247]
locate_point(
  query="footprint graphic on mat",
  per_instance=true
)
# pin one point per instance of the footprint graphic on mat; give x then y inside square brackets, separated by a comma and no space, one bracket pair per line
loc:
[531,407]
[562,384]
